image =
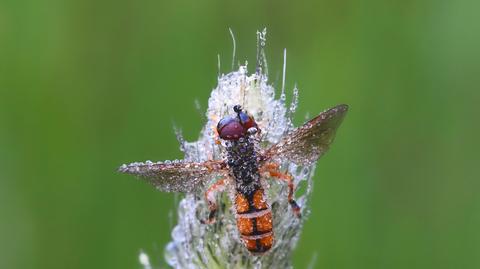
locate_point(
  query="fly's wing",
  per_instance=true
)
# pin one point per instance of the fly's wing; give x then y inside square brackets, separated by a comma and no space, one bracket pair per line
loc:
[175,176]
[309,142]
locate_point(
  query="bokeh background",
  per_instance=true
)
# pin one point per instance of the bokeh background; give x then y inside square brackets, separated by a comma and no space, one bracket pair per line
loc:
[88,85]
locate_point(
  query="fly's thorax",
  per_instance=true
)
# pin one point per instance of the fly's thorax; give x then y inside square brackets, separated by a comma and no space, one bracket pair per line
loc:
[244,147]
[243,163]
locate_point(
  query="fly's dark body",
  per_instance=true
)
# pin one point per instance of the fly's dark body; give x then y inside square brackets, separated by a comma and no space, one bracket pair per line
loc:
[244,165]
[254,217]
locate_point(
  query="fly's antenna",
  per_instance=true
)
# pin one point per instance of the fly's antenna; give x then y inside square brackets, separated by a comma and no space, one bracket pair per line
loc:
[234,47]
[237,108]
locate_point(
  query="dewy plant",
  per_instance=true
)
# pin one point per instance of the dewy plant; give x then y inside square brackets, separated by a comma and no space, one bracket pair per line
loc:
[240,209]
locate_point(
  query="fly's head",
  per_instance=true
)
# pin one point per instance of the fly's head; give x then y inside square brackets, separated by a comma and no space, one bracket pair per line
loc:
[241,125]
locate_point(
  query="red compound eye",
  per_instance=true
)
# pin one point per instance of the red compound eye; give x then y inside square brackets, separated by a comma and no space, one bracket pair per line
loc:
[230,129]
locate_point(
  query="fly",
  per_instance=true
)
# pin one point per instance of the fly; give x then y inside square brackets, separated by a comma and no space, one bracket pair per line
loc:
[245,166]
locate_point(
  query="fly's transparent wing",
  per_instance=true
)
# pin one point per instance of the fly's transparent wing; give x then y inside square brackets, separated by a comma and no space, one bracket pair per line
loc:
[175,176]
[310,141]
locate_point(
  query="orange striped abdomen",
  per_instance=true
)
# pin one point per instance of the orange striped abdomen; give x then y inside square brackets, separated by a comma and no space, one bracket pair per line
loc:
[254,221]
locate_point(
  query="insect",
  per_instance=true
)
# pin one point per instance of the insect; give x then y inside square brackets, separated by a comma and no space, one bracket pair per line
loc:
[245,166]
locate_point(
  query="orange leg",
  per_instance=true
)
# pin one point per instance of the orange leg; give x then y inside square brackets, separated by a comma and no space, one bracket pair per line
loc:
[273,170]
[210,196]
[216,136]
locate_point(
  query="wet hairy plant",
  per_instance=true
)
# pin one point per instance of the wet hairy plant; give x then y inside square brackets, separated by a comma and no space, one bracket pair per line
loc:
[219,245]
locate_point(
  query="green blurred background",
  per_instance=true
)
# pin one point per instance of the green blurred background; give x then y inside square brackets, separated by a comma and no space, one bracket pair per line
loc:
[88,85]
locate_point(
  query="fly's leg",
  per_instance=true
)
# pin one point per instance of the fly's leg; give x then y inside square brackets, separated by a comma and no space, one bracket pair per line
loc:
[216,136]
[210,195]
[273,170]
